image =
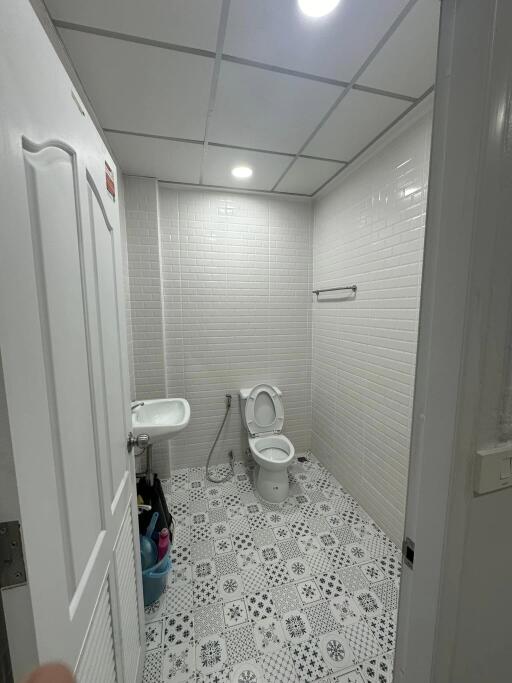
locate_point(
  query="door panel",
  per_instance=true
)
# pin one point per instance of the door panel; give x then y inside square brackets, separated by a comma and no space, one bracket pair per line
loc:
[58,247]
[102,235]
[64,361]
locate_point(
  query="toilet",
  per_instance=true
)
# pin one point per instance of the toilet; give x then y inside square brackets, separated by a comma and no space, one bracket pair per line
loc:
[263,416]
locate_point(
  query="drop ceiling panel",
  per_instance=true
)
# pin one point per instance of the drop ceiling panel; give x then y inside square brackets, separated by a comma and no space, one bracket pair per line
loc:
[193,23]
[163,159]
[407,63]
[266,168]
[276,32]
[358,119]
[144,89]
[306,175]
[267,110]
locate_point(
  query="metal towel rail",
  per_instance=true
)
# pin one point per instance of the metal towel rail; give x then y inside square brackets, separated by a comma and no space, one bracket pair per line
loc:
[353,288]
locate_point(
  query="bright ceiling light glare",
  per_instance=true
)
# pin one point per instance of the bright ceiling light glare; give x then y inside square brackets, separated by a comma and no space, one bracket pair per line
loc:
[241,172]
[318,8]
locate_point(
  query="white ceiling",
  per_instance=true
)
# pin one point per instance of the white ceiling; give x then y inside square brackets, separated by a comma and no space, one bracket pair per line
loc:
[284,87]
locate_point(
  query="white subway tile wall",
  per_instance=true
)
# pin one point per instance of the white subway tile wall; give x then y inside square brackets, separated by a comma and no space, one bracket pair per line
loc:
[369,231]
[145,295]
[220,289]
[226,298]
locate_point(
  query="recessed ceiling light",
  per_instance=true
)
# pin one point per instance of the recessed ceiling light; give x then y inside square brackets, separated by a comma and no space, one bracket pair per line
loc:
[318,8]
[242,172]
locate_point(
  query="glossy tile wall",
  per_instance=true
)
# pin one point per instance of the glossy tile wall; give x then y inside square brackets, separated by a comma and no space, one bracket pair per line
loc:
[222,283]
[369,231]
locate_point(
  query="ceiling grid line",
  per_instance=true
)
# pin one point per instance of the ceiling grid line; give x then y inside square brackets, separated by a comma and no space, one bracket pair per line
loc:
[239,91]
[210,54]
[223,145]
[221,36]
[374,140]
[352,82]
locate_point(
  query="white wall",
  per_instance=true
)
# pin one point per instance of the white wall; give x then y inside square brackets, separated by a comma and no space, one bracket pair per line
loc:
[369,231]
[220,295]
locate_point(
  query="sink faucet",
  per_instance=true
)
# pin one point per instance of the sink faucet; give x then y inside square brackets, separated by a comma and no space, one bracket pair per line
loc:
[138,404]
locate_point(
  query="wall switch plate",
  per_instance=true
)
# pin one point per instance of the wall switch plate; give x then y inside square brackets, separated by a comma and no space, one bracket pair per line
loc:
[493,470]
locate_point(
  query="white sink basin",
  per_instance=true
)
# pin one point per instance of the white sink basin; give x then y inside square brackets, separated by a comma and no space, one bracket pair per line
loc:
[160,418]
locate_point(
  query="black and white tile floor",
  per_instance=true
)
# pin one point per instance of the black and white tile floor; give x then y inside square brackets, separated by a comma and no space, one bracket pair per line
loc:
[306,591]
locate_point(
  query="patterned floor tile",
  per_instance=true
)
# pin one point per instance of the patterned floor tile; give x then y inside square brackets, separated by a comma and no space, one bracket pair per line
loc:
[383,628]
[296,626]
[247,672]
[372,572]
[259,593]
[387,592]
[378,670]
[278,667]
[364,645]
[226,564]
[152,667]
[269,636]
[205,592]
[177,629]
[298,568]
[308,661]
[286,598]
[345,610]
[289,549]
[211,654]
[240,643]
[178,663]
[330,585]
[308,591]
[208,620]
[276,573]
[231,587]
[254,579]
[235,613]
[204,569]
[260,606]
[336,651]
[368,602]
[153,635]
[320,617]
[353,579]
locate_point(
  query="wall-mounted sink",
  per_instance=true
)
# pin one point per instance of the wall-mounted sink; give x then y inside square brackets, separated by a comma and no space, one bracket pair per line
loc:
[160,418]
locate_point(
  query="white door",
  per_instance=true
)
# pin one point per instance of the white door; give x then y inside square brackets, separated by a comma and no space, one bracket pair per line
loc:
[62,342]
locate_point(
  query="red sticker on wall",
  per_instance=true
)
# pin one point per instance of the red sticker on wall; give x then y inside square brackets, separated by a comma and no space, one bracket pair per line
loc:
[109,181]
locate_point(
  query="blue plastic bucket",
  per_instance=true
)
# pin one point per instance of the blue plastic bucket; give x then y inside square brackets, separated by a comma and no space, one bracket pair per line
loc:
[154,579]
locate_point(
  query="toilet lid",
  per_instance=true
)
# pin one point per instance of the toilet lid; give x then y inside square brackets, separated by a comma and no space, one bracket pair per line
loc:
[264,411]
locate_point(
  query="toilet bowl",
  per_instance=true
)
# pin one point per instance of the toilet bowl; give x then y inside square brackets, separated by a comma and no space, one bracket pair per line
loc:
[263,417]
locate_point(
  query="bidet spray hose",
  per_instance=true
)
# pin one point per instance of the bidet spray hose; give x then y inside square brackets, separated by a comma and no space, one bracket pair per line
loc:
[229,474]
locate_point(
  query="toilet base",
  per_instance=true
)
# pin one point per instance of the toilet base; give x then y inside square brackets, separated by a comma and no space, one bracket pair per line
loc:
[272,485]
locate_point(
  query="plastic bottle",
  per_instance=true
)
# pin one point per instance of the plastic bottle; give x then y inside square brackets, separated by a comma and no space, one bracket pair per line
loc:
[163,543]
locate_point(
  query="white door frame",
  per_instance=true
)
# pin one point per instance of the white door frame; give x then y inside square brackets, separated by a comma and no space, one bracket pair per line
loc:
[465,297]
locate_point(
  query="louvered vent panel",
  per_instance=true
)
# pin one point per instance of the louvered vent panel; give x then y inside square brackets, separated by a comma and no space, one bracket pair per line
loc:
[127,600]
[97,663]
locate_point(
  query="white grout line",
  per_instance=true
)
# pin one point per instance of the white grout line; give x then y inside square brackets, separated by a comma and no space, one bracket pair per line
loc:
[221,36]
[353,81]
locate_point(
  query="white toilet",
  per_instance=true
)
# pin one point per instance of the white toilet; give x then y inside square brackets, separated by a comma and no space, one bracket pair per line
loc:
[263,416]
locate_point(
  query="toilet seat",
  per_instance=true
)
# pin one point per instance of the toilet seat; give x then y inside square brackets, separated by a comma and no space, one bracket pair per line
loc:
[264,412]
